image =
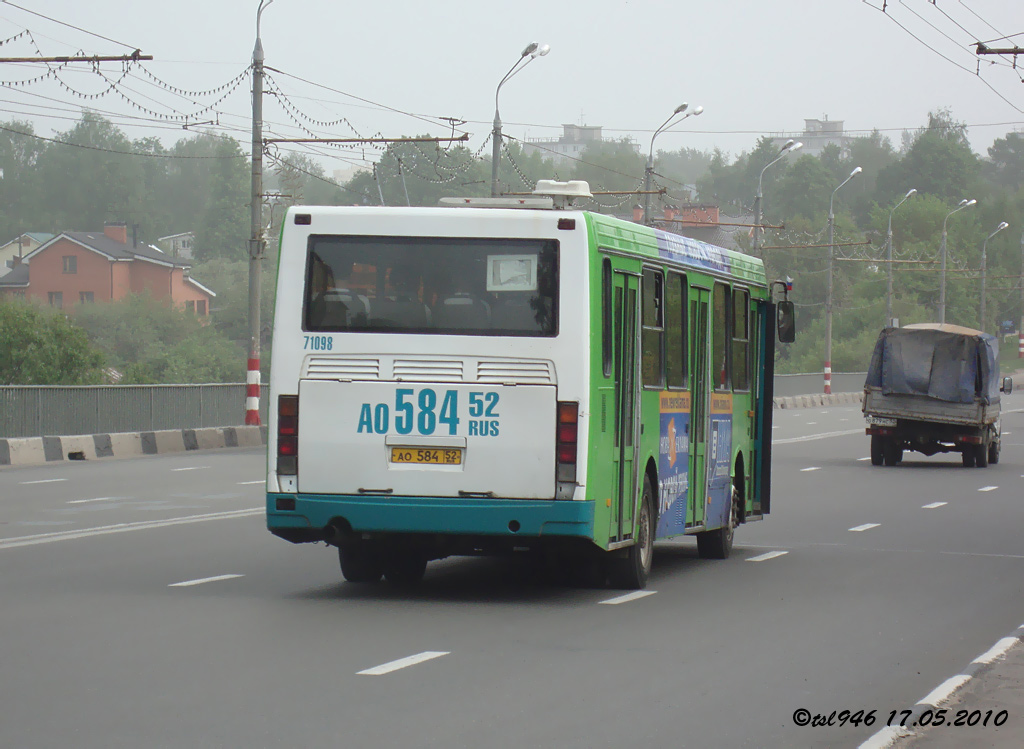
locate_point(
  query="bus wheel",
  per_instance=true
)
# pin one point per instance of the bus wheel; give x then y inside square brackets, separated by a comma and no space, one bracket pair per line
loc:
[717,544]
[877,450]
[631,571]
[360,562]
[405,567]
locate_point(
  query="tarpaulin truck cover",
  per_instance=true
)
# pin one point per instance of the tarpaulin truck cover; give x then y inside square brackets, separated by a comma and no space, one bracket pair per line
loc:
[944,362]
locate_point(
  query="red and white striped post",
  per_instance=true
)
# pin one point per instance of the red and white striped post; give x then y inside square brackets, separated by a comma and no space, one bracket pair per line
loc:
[1020,345]
[828,378]
[252,393]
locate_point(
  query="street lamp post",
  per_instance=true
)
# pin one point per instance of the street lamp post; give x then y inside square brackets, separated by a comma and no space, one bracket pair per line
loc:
[965,203]
[533,51]
[790,147]
[888,244]
[984,265]
[828,296]
[257,244]
[649,169]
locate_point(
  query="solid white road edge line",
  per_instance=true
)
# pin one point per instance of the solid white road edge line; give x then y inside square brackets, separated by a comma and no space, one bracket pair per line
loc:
[865,527]
[933,505]
[629,597]
[42,481]
[766,557]
[200,581]
[822,435]
[412,660]
[945,690]
[46,538]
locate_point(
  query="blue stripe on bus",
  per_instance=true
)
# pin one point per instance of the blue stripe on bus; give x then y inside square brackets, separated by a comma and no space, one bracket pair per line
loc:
[693,252]
[436,515]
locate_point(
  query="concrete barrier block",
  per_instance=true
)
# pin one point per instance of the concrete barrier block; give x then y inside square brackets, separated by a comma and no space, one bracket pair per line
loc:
[126,444]
[169,441]
[251,436]
[26,451]
[52,449]
[209,438]
[79,443]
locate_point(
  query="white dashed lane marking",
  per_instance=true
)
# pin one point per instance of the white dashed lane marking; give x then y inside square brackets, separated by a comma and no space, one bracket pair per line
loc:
[95,499]
[629,597]
[863,459]
[412,660]
[767,556]
[811,468]
[200,581]
[865,527]
[43,481]
[190,468]
[243,483]
[987,488]
[932,506]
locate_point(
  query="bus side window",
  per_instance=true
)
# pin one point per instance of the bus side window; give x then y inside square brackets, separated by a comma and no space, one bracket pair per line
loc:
[740,339]
[720,337]
[675,331]
[652,338]
[606,316]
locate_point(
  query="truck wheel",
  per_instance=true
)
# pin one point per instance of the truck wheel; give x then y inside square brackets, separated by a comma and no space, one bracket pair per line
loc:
[405,568]
[967,456]
[893,454]
[717,544]
[360,562]
[993,453]
[981,455]
[877,450]
[631,571]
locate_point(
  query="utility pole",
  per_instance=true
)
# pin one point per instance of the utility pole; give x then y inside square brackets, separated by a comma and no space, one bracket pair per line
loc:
[257,245]
[1020,329]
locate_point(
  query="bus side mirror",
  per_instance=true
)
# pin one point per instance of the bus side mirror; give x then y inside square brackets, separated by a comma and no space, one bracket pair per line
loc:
[1007,385]
[787,322]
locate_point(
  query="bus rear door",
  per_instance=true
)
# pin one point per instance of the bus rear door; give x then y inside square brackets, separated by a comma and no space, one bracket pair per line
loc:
[625,335]
[700,335]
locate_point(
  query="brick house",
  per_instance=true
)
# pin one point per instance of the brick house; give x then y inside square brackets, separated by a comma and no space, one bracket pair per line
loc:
[77,267]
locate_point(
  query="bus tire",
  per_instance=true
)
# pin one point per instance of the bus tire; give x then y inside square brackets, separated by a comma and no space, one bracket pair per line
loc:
[405,568]
[877,450]
[360,562]
[632,570]
[717,544]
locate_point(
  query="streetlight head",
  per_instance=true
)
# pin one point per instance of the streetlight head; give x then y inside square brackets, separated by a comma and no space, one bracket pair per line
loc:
[697,110]
[970,202]
[911,191]
[788,144]
[542,50]
[796,147]
[530,49]
[1002,226]
[681,108]
[856,171]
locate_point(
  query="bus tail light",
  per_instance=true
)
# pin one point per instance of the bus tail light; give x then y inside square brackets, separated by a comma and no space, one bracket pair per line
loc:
[566,440]
[288,434]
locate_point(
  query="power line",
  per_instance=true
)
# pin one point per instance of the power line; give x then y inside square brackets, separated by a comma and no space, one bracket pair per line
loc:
[69,25]
[113,150]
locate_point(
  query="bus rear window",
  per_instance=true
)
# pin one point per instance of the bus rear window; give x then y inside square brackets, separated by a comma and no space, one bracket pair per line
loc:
[432,285]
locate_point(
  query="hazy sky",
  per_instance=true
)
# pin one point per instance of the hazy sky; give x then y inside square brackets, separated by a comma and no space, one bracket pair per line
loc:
[757,67]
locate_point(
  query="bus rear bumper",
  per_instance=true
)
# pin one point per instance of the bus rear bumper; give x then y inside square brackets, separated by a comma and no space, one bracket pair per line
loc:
[315,516]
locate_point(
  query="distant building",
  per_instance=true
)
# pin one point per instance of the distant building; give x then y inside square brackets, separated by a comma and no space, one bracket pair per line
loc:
[570,145]
[12,252]
[76,267]
[178,245]
[816,135]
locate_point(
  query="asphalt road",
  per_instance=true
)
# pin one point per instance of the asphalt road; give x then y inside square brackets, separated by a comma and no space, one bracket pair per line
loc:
[101,645]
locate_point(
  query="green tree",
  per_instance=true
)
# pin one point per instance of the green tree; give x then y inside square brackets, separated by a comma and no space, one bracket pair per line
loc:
[1006,161]
[224,225]
[38,347]
[19,190]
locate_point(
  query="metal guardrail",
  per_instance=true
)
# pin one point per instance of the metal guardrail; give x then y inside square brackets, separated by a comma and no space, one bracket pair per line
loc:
[58,410]
[787,385]
[41,410]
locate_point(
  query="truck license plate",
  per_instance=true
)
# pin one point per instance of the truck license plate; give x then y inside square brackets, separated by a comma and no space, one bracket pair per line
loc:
[880,421]
[427,456]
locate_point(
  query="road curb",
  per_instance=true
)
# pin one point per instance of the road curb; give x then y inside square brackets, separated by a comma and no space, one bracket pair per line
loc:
[817,400]
[1008,648]
[25,451]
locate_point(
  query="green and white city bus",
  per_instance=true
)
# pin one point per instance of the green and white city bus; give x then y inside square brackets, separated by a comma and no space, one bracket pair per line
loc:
[480,378]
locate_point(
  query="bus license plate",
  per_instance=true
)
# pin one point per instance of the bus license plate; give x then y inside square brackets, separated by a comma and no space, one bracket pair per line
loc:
[427,456]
